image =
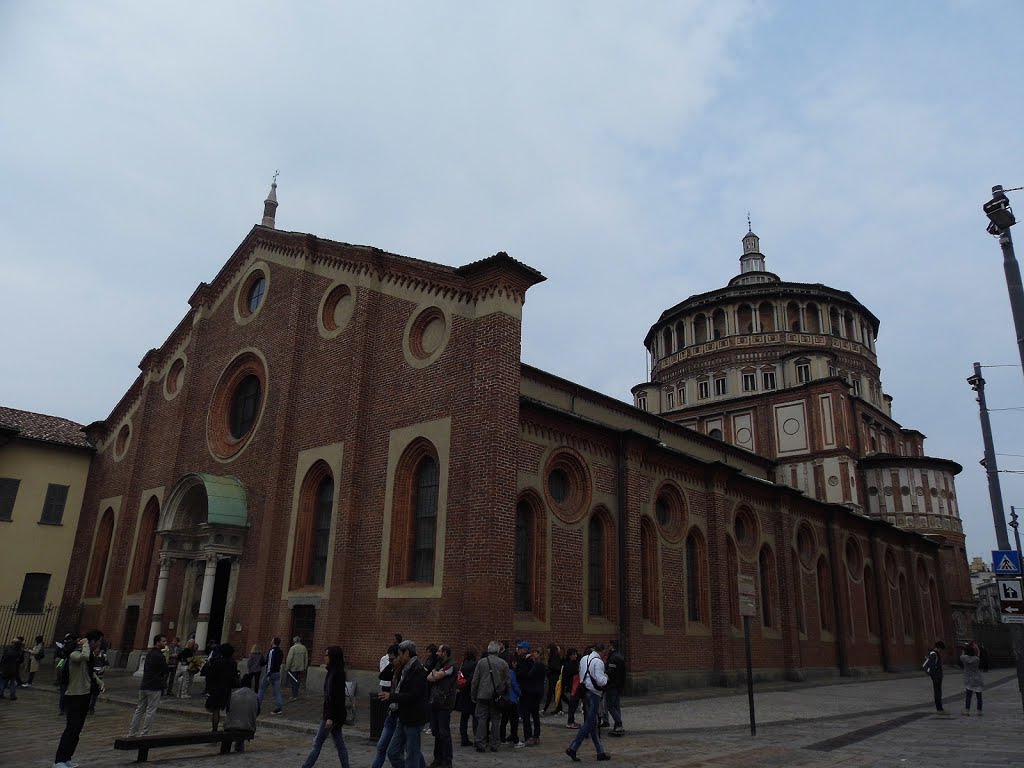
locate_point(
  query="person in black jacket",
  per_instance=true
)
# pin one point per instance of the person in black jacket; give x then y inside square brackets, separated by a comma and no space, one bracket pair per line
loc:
[554,672]
[221,678]
[408,698]
[463,700]
[334,709]
[530,672]
[154,677]
[442,679]
[616,682]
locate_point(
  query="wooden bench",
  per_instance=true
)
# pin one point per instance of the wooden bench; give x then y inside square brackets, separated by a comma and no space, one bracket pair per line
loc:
[145,743]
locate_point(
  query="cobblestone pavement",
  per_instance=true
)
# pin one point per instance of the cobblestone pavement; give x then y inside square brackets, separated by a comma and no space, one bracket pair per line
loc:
[876,723]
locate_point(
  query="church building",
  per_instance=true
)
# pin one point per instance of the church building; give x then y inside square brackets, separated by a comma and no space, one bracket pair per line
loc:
[343,443]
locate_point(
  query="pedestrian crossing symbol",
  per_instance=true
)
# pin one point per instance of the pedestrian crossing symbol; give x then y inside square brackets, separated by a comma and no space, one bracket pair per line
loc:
[1005,562]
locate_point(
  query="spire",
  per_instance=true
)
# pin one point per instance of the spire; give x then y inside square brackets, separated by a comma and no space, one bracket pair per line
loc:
[270,204]
[752,259]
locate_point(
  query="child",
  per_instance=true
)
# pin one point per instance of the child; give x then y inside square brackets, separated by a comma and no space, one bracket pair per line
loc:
[971,661]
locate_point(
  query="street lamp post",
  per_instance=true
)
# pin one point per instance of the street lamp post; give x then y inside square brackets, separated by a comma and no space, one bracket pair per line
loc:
[1001,219]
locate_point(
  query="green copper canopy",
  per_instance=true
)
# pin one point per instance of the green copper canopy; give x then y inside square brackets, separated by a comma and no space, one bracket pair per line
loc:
[225,500]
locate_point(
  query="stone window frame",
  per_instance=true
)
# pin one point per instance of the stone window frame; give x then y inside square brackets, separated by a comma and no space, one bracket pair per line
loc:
[241,305]
[404,447]
[223,446]
[145,546]
[300,573]
[703,389]
[99,564]
[600,558]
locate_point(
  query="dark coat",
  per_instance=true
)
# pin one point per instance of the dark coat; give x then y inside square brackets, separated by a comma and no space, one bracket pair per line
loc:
[334,697]
[463,699]
[412,694]
[530,675]
[221,677]
[616,669]
[154,672]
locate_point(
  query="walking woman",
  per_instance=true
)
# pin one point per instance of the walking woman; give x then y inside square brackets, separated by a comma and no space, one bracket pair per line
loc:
[334,709]
[221,677]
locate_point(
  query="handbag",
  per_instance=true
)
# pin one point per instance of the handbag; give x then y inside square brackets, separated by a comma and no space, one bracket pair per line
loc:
[461,681]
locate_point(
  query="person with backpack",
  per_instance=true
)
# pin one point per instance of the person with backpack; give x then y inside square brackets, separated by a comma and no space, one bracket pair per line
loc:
[77,681]
[971,661]
[933,668]
[593,680]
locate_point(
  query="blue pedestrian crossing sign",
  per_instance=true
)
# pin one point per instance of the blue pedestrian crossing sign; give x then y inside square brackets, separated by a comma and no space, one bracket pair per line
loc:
[1005,562]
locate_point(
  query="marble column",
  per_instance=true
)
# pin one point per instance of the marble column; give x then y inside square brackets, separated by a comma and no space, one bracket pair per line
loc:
[205,602]
[157,626]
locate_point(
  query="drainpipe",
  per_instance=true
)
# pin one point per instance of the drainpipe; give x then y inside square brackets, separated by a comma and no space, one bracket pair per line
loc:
[844,666]
[883,635]
[621,541]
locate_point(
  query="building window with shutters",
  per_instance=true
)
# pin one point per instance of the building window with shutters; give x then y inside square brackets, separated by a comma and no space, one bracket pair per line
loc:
[33,593]
[768,380]
[703,390]
[53,507]
[8,493]
[721,386]
[803,371]
[670,398]
[749,382]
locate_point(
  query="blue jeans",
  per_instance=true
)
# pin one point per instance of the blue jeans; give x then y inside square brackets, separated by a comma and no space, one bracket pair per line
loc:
[404,751]
[590,724]
[318,743]
[386,732]
[272,678]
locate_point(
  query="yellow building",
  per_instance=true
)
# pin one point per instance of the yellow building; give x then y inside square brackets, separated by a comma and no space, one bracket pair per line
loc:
[44,464]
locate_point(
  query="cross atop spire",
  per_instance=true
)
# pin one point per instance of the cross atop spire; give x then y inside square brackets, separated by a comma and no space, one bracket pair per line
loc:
[270,204]
[749,228]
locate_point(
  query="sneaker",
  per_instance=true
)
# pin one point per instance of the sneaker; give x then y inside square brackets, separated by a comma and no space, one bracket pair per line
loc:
[572,755]
[572,725]
[277,711]
[604,756]
[519,745]
[603,722]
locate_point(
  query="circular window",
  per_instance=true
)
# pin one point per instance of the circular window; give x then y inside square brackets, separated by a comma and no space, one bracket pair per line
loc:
[335,310]
[121,441]
[904,490]
[426,337]
[873,491]
[854,559]
[715,434]
[806,546]
[567,485]
[175,378]
[745,529]
[670,511]
[252,293]
[237,406]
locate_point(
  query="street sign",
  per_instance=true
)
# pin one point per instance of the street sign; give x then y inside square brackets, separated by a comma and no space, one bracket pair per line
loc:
[748,595]
[1011,600]
[1005,562]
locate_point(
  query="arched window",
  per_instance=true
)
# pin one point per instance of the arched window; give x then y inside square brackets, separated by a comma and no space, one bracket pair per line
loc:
[869,600]
[600,562]
[833,321]
[313,528]
[848,324]
[524,557]
[145,544]
[100,555]
[414,516]
[700,328]
[793,317]
[798,592]
[908,616]
[766,314]
[936,611]
[826,607]
[666,342]
[766,571]
[745,319]
[718,323]
[696,578]
[680,335]
[812,318]
[649,571]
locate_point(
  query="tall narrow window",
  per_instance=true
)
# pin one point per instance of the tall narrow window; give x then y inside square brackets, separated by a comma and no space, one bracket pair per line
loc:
[100,555]
[768,380]
[733,565]
[595,568]
[703,390]
[671,398]
[321,541]
[33,593]
[721,386]
[826,611]
[425,526]
[766,571]
[641,402]
[145,543]
[696,583]
[524,557]
[8,493]
[749,382]
[53,507]
[869,600]
[803,371]
[681,394]
[798,593]
[649,571]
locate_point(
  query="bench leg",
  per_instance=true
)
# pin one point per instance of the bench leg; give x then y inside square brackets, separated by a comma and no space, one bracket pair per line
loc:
[143,755]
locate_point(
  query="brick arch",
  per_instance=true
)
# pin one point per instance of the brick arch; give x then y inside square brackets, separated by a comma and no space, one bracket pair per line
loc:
[145,545]
[100,555]
[697,586]
[766,572]
[530,555]
[412,552]
[315,493]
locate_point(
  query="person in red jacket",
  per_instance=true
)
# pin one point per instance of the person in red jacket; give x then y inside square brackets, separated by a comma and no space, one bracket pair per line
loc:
[334,709]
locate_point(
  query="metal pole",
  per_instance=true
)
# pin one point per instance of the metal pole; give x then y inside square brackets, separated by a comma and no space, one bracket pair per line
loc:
[750,675]
[1014,525]
[1015,289]
[995,495]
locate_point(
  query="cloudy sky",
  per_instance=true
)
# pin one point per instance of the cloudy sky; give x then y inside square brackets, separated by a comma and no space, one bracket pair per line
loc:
[616,147]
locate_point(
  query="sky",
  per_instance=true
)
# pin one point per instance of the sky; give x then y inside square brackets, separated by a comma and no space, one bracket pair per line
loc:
[616,147]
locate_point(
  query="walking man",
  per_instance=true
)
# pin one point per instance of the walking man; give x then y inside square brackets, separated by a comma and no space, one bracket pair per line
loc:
[275,660]
[409,698]
[154,678]
[592,675]
[77,684]
[296,665]
[616,682]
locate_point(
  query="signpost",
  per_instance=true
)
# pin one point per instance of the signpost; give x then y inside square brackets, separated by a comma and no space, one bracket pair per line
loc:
[748,607]
[1006,567]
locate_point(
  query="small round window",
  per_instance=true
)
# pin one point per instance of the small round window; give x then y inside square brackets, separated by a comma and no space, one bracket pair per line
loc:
[745,529]
[252,292]
[567,484]
[256,291]
[121,441]
[175,378]
[245,406]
